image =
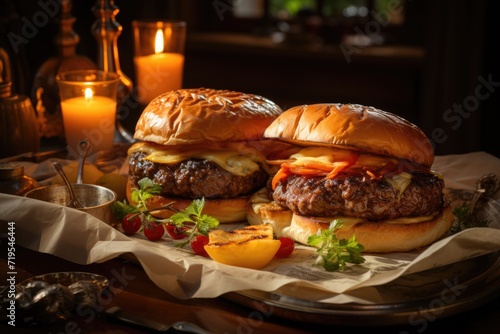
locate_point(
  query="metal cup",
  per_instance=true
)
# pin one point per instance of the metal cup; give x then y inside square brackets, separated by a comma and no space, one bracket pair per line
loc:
[97,201]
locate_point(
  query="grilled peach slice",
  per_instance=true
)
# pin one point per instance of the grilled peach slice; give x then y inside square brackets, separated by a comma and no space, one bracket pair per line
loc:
[249,247]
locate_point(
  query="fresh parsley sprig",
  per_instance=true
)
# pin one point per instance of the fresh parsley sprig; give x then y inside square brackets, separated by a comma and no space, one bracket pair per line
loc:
[334,254]
[194,216]
[147,188]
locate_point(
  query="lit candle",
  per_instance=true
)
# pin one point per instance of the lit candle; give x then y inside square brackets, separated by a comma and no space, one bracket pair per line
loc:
[160,72]
[91,117]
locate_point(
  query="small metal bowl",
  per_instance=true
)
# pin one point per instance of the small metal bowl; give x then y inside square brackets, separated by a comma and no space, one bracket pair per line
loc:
[97,200]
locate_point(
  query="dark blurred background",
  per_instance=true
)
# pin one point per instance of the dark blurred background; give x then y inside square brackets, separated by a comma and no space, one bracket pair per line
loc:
[432,62]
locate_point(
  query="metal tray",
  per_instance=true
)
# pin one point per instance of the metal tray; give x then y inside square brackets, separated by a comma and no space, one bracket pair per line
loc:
[436,293]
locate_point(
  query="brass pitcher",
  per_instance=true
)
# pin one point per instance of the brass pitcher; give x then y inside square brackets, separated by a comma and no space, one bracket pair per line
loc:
[18,121]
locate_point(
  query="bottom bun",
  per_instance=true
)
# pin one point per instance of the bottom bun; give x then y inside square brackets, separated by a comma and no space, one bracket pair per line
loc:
[263,211]
[230,210]
[377,237]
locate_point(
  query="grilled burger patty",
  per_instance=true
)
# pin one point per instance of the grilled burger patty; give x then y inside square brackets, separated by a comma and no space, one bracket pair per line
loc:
[360,196]
[195,178]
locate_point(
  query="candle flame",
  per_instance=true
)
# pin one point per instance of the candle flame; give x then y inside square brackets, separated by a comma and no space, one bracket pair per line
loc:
[159,41]
[88,94]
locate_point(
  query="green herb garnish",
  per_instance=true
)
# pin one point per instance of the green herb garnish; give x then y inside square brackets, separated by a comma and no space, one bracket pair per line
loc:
[146,190]
[466,219]
[191,219]
[334,254]
[193,215]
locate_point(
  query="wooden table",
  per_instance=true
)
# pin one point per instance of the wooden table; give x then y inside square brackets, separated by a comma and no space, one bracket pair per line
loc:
[135,293]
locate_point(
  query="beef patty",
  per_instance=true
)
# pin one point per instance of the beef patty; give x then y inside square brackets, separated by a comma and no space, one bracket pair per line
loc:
[360,196]
[195,178]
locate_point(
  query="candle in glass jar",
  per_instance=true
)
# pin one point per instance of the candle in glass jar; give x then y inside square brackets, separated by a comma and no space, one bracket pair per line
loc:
[91,117]
[158,73]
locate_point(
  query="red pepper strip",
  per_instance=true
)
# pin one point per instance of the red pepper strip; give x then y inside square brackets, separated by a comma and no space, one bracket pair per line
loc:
[338,167]
[380,172]
[281,174]
[287,170]
[370,174]
[311,169]
[314,168]
[319,166]
[306,171]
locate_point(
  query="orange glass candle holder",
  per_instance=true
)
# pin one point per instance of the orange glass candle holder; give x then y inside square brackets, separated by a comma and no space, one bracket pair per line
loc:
[158,57]
[88,105]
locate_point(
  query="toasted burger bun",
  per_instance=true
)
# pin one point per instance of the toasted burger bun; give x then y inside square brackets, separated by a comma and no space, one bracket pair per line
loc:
[201,116]
[376,237]
[197,125]
[353,126]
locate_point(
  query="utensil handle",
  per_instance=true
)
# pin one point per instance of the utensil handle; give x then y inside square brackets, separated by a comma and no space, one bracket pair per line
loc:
[116,313]
[59,169]
[84,147]
[73,201]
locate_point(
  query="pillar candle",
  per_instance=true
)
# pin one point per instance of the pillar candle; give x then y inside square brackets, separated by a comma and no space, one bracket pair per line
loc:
[92,118]
[157,74]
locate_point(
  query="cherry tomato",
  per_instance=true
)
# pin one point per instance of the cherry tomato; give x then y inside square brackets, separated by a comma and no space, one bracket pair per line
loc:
[131,224]
[154,231]
[176,232]
[286,248]
[198,244]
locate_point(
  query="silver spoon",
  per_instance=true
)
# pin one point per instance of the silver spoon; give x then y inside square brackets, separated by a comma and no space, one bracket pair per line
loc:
[73,202]
[84,147]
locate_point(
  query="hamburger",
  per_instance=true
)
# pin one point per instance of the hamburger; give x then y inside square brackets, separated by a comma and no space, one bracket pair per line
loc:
[369,168]
[203,143]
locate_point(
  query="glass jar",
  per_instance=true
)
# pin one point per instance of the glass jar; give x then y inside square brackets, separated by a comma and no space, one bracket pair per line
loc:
[13,181]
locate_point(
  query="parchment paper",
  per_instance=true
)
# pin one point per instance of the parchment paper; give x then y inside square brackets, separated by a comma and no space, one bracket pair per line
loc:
[81,238]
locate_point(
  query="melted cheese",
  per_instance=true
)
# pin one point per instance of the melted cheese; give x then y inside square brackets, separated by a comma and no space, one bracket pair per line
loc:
[314,154]
[399,182]
[236,158]
[322,155]
[329,155]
